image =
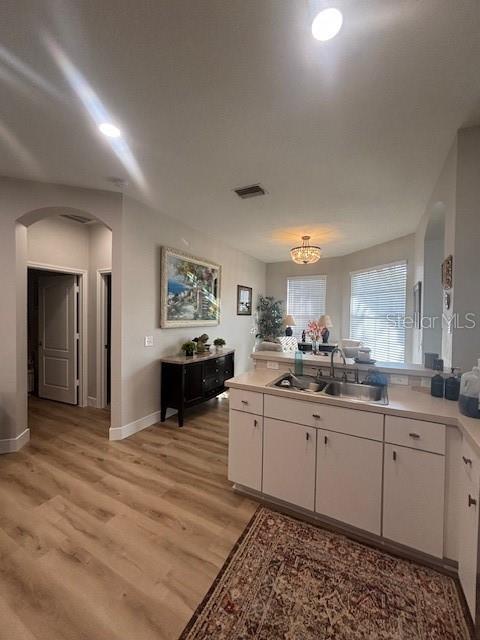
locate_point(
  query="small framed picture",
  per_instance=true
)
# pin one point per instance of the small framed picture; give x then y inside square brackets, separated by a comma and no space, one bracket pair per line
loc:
[417,304]
[447,273]
[244,300]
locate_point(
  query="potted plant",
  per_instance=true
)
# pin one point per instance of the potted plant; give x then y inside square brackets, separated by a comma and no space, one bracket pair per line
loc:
[270,318]
[189,347]
[219,344]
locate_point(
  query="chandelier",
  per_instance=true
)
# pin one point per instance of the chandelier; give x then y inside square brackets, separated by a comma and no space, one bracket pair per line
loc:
[306,254]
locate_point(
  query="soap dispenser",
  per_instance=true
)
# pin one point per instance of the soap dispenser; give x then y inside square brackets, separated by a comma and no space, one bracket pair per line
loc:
[452,386]
[437,385]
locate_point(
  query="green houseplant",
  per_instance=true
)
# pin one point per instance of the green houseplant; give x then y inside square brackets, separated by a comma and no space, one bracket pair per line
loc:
[189,347]
[219,343]
[270,318]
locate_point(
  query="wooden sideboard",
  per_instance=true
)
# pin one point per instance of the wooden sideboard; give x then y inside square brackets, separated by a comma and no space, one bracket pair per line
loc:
[187,381]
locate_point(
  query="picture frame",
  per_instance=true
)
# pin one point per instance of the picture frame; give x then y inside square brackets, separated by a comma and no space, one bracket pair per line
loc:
[190,290]
[417,304]
[447,273]
[244,300]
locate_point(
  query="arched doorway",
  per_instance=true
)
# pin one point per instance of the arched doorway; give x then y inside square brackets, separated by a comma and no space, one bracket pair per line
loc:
[86,277]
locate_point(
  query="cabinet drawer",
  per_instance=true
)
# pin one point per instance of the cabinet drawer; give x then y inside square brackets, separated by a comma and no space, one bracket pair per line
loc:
[249,401]
[417,434]
[314,414]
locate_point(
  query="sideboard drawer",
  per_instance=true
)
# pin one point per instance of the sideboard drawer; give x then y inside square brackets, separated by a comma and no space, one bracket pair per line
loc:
[416,434]
[364,424]
[249,401]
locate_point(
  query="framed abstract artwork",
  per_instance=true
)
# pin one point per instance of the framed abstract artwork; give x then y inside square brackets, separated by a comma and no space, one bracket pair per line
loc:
[244,300]
[190,290]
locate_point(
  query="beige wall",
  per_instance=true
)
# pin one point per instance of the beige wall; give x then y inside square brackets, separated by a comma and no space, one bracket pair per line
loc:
[23,203]
[466,252]
[442,199]
[338,272]
[59,242]
[64,243]
[145,232]
[100,257]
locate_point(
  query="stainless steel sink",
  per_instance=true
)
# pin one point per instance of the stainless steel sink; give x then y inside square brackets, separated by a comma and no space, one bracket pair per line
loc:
[334,388]
[356,391]
[301,383]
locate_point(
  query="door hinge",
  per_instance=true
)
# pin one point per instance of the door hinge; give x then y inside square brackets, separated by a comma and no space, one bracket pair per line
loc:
[77,336]
[77,383]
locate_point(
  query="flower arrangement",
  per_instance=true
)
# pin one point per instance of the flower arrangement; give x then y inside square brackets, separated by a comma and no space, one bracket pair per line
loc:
[314,330]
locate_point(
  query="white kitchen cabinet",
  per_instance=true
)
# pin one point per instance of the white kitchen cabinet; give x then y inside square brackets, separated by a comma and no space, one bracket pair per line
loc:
[349,480]
[245,440]
[468,524]
[289,462]
[413,498]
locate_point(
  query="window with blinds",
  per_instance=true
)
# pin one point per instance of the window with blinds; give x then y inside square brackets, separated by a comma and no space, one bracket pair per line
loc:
[377,310]
[305,300]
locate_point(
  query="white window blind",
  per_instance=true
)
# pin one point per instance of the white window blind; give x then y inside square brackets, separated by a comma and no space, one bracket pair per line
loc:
[377,310]
[305,300]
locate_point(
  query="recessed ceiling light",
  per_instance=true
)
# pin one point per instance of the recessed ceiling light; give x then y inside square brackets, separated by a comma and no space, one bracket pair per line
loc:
[327,24]
[110,130]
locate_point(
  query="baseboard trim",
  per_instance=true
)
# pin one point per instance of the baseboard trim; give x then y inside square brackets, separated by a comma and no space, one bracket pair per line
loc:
[92,401]
[10,445]
[120,433]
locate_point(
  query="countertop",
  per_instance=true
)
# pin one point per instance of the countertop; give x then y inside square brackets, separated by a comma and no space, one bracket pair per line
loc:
[319,360]
[182,359]
[408,402]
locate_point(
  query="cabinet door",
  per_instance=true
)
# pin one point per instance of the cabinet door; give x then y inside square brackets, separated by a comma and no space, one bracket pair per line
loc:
[245,449]
[289,462]
[349,480]
[193,382]
[468,525]
[413,498]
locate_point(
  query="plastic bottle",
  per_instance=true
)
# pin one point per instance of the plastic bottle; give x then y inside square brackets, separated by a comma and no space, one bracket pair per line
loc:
[469,399]
[452,386]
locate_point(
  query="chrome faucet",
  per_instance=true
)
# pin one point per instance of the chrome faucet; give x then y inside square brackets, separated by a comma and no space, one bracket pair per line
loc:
[332,365]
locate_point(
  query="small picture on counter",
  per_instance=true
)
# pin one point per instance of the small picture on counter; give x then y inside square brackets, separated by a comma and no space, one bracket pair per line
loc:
[244,300]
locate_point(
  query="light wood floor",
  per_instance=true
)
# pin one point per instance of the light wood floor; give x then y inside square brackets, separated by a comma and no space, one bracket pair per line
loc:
[108,541]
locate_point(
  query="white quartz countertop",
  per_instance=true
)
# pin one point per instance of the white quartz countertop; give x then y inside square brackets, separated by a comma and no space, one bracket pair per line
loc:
[324,361]
[408,402]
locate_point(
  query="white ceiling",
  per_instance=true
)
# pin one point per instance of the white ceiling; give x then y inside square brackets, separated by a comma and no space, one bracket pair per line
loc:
[348,136]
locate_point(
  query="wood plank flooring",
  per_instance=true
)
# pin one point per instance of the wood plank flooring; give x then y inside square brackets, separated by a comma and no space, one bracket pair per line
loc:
[108,540]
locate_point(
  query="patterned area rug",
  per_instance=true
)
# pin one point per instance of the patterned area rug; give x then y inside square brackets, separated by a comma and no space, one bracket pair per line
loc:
[289,579]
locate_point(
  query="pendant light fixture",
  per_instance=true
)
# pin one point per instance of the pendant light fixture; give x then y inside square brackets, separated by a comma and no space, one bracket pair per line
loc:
[307,253]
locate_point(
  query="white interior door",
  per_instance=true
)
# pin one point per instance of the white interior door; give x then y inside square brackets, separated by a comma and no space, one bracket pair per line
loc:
[57,335]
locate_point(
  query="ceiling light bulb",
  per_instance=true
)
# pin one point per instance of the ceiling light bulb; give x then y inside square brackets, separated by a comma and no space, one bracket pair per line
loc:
[110,130]
[327,24]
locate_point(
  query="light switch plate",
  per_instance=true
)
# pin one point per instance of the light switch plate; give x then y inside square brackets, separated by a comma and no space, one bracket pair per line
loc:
[399,380]
[149,341]
[272,365]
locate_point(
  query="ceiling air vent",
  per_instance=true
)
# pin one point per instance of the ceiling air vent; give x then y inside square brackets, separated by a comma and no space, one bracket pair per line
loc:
[76,218]
[250,192]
